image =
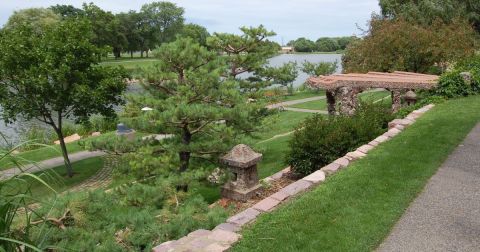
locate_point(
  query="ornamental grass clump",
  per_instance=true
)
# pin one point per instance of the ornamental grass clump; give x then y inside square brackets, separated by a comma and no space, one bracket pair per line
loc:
[320,140]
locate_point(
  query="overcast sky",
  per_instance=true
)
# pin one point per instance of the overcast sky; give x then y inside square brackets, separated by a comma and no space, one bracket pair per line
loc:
[290,19]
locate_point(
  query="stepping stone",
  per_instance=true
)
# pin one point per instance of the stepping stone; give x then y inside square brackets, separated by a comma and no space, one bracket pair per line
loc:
[199,233]
[280,196]
[224,237]
[266,205]
[381,139]
[391,133]
[365,148]
[227,227]
[316,177]
[215,247]
[399,127]
[244,217]
[296,187]
[165,247]
[352,156]
[343,162]
[374,143]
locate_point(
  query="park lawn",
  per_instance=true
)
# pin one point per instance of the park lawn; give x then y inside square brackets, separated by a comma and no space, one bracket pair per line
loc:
[58,180]
[47,152]
[355,209]
[281,123]
[131,64]
[322,104]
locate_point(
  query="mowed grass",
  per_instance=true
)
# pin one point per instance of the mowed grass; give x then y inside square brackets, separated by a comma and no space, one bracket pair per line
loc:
[355,209]
[57,178]
[322,104]
[132,64]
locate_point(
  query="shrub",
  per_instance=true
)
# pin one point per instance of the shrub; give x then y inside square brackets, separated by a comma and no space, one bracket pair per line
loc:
[320,140]
[452,84]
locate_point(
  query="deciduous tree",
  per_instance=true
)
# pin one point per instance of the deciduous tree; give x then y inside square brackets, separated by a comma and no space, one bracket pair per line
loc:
[54,76]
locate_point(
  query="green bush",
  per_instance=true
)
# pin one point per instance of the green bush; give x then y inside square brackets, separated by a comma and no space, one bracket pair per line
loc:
[451,85]
[320,140]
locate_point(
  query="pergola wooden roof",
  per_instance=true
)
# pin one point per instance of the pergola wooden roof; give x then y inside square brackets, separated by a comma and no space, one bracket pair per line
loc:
[395,80]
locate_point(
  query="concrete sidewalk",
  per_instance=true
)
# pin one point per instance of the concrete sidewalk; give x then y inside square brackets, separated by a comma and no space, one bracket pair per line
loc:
[446,215]
[49,163]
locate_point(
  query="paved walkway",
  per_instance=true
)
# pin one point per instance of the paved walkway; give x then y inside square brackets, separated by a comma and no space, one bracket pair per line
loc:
[446,215]
[306,110]
[50,163]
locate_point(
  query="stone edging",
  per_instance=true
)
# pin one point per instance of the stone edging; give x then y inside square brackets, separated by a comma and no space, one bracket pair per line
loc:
[223,236]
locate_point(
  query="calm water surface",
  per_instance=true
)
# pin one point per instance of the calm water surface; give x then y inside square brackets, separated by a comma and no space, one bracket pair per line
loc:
[14,130]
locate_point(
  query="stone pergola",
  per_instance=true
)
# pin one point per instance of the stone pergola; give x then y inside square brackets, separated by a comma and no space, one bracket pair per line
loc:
[346,87]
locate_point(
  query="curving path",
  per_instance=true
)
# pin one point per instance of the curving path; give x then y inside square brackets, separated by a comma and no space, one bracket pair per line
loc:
[49,163]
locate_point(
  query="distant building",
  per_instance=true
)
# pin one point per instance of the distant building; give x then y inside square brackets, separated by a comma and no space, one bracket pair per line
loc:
[288,49]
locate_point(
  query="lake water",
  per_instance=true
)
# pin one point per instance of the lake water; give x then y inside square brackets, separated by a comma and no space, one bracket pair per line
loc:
[13,131]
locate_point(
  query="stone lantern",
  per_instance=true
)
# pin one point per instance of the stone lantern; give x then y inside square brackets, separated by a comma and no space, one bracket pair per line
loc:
[410,97]
[123,130]
[242,162]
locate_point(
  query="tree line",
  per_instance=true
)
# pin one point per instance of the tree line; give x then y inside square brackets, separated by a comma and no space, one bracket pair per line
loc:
[132,31]
[323,44]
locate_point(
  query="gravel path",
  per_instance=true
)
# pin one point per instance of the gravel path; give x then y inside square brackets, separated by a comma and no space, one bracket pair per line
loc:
[293,102]
[446,215]
[50,163]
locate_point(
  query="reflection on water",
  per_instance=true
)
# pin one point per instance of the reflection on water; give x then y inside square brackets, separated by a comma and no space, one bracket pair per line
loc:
[13,131]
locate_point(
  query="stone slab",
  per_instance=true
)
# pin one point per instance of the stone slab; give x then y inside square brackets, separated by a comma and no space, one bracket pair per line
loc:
[354,155]
[365,148]
[374,143]
[227,227]
[296,187]
[165,247]
[224,237]
[399,127]
[266,205]
[343,162]
[316,177]
[381,139]
[215,247]
[391,133]
[280,196]
[199,233]
[244,217]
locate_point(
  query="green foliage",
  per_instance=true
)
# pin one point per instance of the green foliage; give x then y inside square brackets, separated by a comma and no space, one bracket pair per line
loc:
[321,68]
[427,11]
[283,75]
[132,217]
[39,18]
[320,140]
[16,193]
[196,32]
[304,45]
[54,76]
[322,44]
[160,22]
[204,112]
[452,84]
[398,44]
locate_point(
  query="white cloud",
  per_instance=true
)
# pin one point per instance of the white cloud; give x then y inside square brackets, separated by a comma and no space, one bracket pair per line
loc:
[289,19]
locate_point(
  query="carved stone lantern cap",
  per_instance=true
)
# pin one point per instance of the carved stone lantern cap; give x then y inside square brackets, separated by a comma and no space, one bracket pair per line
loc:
[241,156]
[410,95]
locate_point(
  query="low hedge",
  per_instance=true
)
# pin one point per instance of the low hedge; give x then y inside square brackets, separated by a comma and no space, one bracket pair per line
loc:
[320,140]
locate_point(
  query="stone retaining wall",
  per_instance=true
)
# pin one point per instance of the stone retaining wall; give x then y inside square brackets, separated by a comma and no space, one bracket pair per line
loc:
[222,237]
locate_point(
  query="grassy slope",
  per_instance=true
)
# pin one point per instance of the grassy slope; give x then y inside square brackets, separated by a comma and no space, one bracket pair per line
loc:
[355,209]
[57,179]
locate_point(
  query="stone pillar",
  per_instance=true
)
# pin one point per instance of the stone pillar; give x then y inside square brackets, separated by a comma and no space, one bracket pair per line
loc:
[467,77]
[396,100]
[242,162]
[331,102]
[349,100]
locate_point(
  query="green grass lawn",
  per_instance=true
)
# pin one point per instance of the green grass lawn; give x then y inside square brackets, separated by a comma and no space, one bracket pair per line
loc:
[322,104]
[47,152]
[355,209]
[58,180]
[131,64]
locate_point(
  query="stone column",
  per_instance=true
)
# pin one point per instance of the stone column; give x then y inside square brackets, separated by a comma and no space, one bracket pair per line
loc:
[396,100]
[331,102]
[349,100]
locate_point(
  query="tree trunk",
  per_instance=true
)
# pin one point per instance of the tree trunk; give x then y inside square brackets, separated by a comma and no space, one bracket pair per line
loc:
[131,54]
[185,155]
[63,146]
[331,102]
[146,52]
[141,53]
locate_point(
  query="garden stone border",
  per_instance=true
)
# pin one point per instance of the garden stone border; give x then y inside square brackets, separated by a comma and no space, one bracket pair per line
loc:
[223,236]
